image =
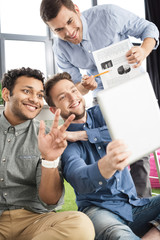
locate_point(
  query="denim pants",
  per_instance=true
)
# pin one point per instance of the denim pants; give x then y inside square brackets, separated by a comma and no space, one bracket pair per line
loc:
[110,226]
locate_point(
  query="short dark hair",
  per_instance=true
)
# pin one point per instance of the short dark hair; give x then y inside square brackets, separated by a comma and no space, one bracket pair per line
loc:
[49,9]
[9,78]
[51,83]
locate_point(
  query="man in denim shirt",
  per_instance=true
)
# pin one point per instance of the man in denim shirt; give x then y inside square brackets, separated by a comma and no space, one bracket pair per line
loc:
[102,182]
[31,186]
[79,34]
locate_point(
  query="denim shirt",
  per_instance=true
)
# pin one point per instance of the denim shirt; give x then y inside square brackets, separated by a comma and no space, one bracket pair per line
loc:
[79,163]
[20,167]
[103,25]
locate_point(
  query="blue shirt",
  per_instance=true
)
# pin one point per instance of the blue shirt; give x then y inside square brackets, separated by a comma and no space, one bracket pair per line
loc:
[103,25]
[80,168]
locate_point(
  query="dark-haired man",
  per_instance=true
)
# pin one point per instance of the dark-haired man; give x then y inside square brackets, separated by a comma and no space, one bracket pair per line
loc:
[79,34]
[97,169]
[31,185]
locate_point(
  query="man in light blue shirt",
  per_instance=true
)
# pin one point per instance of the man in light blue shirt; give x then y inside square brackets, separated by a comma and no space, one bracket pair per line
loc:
[97,169]
[98,27]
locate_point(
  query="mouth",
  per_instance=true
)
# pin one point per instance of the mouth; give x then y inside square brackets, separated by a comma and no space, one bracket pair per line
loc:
[31,107]
[75,104]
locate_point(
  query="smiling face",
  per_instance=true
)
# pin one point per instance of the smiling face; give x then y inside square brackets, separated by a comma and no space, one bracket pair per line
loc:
[26,100]
[65,96]
[67,25]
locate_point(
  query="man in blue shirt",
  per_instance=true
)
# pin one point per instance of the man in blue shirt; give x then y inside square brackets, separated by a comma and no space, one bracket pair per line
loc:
[103,185]
[79,34]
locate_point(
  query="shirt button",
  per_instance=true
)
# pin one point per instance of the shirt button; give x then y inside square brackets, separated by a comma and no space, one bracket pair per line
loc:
[2,179]
[5,131]
[9,140]
[89,51]
[16,133]
[117,179]
[3,160]
[84,125]
[99,147]
[95,139]
[5,194]
[100,183]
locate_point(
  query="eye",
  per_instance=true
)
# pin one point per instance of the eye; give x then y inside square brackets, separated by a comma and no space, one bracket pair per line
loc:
[62,98]
[58,29]
[74,90]
[26,91]
[40,95]
[70,21]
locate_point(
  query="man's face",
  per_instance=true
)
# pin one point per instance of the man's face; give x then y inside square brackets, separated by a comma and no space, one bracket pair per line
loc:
[66,97]
[67,25]
[26,101]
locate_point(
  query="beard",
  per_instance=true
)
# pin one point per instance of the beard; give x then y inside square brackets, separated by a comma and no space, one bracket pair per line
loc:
[20,114]
[77,116]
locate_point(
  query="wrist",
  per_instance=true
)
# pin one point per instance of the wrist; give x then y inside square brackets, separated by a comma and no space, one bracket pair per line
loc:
[50,164]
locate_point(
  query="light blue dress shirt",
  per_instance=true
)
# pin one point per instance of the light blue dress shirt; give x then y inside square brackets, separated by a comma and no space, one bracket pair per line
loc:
[80,168]
[103,25]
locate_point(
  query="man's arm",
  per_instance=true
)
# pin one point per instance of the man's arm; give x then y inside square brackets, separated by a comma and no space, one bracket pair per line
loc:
[51,146]
[138,53]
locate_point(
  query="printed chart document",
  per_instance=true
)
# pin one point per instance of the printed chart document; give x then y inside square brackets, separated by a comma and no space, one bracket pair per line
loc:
[113,59]
[128,102]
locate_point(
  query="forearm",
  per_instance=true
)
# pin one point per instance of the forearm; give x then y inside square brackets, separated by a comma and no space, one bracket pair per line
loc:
[148,44]
[51,186]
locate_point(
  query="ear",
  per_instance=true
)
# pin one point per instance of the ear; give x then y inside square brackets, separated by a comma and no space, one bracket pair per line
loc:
[53,109]
[5,94]
[77,9]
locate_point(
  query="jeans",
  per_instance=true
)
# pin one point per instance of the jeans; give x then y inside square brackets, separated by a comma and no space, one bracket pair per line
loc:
[110,226]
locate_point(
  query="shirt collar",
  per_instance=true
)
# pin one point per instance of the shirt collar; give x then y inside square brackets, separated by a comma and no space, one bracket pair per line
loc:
[79,126]
[85,29]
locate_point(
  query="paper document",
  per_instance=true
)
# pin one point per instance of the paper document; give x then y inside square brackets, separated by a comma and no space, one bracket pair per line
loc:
[113,59]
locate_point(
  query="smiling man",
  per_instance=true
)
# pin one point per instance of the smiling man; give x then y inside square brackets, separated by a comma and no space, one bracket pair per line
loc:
[31,184]
[97,169]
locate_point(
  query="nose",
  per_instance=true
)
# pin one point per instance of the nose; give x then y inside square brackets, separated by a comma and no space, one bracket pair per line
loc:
[68,30]
[33,98]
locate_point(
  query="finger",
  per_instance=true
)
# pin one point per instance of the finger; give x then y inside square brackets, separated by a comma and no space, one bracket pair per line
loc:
[56,119]
[41,129]
[67,123]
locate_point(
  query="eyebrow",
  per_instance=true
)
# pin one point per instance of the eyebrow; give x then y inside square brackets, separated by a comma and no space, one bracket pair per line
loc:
[59,28]
[64,92]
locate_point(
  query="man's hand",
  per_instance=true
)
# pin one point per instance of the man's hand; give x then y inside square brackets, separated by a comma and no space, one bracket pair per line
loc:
[136,55]
[139,53]
[89,82]
[52,145]
[115,159]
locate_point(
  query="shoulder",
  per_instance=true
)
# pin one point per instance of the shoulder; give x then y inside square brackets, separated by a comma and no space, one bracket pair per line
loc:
[100,9]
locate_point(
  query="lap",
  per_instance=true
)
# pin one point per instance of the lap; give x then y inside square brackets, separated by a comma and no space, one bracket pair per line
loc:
[27,225]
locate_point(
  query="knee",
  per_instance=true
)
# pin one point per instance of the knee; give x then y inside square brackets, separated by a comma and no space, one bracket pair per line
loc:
[83,228]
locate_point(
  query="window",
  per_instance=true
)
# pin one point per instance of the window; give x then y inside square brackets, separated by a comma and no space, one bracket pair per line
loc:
[24,37]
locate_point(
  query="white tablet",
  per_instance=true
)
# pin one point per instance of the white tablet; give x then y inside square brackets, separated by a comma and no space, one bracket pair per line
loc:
[132,114]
